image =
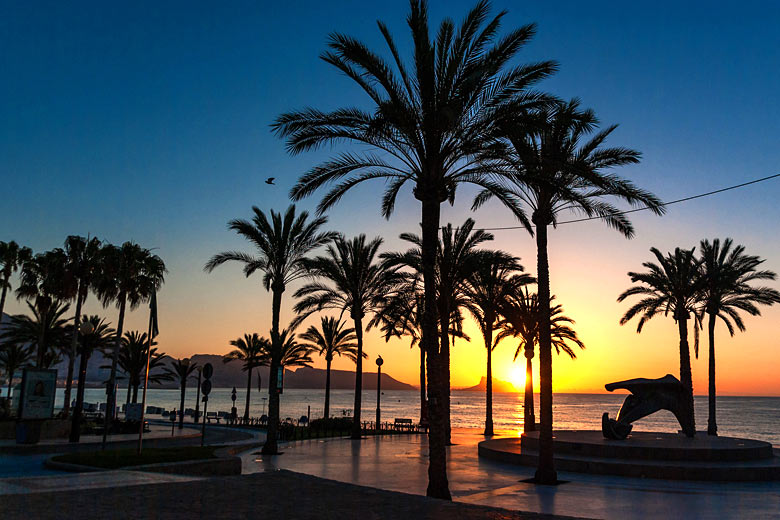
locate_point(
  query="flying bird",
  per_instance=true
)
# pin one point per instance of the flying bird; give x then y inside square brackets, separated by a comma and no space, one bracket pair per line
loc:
[270,180]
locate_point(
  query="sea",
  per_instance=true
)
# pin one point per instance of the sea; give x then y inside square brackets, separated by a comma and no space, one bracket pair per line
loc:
[738,416]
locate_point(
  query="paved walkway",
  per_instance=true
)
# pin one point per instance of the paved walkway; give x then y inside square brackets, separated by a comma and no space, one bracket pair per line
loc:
[399,463]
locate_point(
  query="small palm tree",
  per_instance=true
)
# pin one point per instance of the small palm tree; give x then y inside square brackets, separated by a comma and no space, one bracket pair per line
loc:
[249,349]
[43,332]
[83,261]
[553,164]
[495,278]
[353,281]
[286,353]
[330,340]
[12,257]
[129,275]
[726,276]
[520,319]
[670,287]
[94,335]
[282,242]
[13,356]
[180,370]
[132,361]
[427,120]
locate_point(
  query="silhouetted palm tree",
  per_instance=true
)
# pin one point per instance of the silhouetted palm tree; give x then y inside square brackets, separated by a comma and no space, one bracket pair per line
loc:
[495,278]
[43,331]
[83,259]
[331,339]
[13,356]
[250,350]
[670,287]
[553,165]
[94,335]
[12,257]
[457,258]
[427,121]
[726,276]
[132,361]
[352,281]
[129,275]
[520,319]
[180,370]
[286,353]
[281,245]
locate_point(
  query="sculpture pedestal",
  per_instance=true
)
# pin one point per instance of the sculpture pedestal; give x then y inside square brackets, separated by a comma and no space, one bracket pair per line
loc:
[645,454]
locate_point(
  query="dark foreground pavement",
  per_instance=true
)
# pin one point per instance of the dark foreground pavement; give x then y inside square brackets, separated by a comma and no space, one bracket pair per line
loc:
[276,495]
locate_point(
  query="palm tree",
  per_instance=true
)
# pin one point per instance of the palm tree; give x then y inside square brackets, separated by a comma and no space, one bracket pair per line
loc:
[12,257]
[83,260]
[330,340]
[180,370]
[670,287]
[726,275]
[129,276]
[520,319]
[428,120]
[281,245]
[13,356]
[132,361]
[352,281]
[492,282]
[250,350]
[456,260]
[42,332]
[554,167]
[94,335]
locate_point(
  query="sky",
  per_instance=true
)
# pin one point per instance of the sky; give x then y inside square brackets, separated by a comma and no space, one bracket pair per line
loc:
[150,121]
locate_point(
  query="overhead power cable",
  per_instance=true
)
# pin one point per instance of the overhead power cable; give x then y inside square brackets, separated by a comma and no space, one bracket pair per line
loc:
[684,199]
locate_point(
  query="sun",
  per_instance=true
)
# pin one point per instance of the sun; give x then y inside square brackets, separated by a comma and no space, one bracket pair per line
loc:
[517,377]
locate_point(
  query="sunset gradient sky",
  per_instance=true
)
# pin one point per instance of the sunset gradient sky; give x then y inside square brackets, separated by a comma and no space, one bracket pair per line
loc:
[149,121]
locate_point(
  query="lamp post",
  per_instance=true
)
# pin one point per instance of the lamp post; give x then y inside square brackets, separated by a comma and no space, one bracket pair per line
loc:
[186,364]
[379,362]
[197,399]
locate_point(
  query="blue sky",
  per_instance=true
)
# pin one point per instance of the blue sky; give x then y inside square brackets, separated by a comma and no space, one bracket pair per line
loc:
[150,121]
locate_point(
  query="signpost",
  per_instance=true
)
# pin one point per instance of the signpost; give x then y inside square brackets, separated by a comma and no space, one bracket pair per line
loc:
[205,389]
[36,402]
[173,421]
[280,380]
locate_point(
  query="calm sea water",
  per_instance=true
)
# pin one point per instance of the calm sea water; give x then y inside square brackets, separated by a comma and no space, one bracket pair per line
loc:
[753,417]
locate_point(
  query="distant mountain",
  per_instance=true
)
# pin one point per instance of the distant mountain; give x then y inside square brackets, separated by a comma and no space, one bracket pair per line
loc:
[498,386]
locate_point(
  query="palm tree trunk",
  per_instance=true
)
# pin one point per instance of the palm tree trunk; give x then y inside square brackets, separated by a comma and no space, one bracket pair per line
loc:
[73,351]
[423,400]
[75,425]
[327,389]
[445,367]
[529,420]
[111,395]
[6,278]
[685,374]
[545,473]
[356,426]
[489,385]
[712,425]
[248,394]
[136,385]
[270,446]
[438,485]
[129,392]
[181,406]
[10,382]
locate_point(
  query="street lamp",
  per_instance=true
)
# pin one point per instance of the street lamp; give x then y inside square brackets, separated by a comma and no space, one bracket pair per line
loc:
[379,362]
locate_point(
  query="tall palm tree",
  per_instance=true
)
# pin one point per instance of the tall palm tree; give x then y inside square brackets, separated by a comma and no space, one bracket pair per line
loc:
[552,165]
[495,278]
[250,350]
[132,361]
[350,280]
[129,275]
[726,276]
[520,319]
[672,286]
[180,370]
[457,257]
[12,257]
[43,331]
[13,356]
[83,260]
[94,335]
[330,340]
[428,120]
[281,244]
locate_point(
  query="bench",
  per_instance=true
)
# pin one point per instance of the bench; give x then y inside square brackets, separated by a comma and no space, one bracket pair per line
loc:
[403,424]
